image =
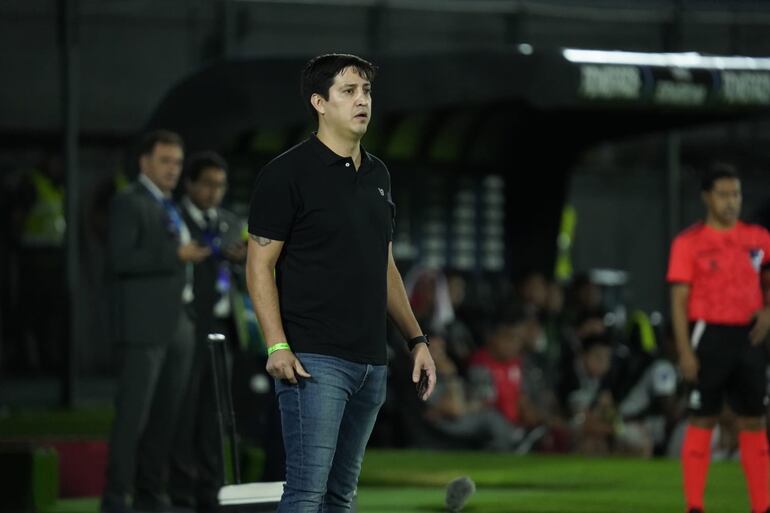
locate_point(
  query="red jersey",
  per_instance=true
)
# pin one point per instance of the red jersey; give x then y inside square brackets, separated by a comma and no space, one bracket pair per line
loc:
[723,270]
[506,380]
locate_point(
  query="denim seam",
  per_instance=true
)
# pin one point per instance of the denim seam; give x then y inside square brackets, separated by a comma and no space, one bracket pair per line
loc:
[363,380]
[301,436]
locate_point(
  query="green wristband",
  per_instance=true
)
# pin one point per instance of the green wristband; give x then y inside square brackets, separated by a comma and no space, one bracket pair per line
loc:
[277,347]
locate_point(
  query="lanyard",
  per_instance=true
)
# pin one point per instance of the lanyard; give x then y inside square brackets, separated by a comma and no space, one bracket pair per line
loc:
[173,219]
[212,239]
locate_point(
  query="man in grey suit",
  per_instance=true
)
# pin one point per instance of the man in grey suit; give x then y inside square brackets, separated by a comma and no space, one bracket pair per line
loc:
[151,255]
[196,462]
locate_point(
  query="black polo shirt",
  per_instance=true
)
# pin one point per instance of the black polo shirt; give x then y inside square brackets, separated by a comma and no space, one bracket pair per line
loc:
[336,224]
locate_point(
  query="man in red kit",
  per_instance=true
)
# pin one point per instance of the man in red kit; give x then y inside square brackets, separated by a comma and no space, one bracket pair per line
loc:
[495,371]
[720,323]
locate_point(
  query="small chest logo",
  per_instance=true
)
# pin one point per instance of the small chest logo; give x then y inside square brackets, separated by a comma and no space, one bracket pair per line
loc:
[382,192]
[695,401]
[756,256]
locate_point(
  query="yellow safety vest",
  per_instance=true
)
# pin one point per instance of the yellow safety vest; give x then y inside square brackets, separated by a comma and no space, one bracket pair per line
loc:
[45,223]
[647,339]
[563,270]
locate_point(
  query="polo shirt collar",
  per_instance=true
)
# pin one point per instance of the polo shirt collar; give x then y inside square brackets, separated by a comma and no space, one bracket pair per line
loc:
[328,157]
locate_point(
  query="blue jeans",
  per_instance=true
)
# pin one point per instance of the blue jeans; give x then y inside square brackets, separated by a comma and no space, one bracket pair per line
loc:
[327,420]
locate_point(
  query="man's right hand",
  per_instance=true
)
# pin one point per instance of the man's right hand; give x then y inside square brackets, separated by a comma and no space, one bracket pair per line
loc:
[193,252]
[688,364]
[282,364]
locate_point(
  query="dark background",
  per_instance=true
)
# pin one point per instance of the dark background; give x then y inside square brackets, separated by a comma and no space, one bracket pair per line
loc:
[474,99]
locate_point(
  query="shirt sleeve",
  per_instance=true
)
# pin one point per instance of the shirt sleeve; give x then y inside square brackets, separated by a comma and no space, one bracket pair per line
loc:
[273,204]
[680,263]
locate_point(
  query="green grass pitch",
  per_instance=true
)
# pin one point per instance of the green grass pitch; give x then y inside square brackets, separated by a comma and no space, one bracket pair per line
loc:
[413,482]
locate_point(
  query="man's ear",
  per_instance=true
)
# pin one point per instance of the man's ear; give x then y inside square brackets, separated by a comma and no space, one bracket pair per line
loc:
[318,102]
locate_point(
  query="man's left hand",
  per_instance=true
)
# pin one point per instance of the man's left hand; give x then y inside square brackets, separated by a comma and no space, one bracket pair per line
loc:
[424,361]
[761,326]
[236,252]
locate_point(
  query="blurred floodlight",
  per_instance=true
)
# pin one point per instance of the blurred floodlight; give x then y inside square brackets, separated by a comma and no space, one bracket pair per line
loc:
[609,277]
[673,60]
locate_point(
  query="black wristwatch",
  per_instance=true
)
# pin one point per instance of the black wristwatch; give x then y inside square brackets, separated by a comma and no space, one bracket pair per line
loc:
[422,339]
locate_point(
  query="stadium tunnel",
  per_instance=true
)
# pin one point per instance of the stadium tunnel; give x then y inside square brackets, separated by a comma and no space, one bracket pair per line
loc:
[525,114]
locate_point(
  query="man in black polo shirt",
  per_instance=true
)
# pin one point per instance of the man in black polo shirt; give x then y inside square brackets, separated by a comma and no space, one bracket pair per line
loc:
[322,218]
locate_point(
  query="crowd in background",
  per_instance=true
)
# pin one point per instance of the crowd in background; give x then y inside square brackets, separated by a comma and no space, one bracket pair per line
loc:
[540,367]
[530,365]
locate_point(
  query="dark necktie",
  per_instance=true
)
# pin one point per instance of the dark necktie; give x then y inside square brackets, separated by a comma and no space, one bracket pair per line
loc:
[208,224]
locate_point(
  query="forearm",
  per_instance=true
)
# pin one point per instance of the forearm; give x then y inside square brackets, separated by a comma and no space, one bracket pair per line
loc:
[399,309]
[680,324]
[264,296]
[453,403]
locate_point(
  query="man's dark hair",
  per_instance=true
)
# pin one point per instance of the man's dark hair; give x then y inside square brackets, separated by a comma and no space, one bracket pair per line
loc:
[509,313]
[318,75]
[717,171]
[200,161]
[148,142]
[588,343]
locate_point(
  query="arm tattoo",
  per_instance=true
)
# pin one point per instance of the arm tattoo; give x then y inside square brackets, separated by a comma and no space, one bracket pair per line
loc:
[262,241]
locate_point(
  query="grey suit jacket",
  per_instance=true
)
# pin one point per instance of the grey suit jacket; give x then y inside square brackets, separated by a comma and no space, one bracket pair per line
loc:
[148,276]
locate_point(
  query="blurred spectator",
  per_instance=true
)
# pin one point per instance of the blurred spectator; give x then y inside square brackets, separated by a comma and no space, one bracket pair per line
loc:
[532,290]
[584,298]
[38,230]
[585,400]
[496,375]
[196,461]
[554,334]
[459,337]
[650,406]
[591,324]
[429,296]
[151,255]
[539,389]
[644,382]
[462,421]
